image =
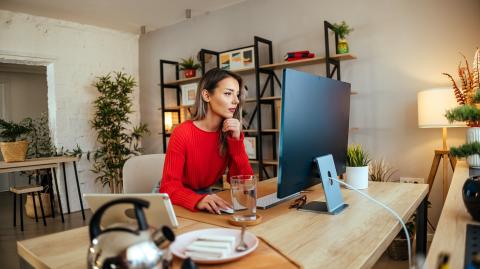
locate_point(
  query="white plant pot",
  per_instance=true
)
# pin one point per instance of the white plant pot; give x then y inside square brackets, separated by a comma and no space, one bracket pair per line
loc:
[357,177]
[473,161]
[473,134]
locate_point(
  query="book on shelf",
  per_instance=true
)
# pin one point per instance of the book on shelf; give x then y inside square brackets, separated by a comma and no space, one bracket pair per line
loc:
[311,55]
[298,55]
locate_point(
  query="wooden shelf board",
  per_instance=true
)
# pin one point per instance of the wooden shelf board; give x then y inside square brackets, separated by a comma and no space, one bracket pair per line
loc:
[251,100]
[175,107]
[183,81]
[265,162]
[264,130]
[281,65]
[307,61]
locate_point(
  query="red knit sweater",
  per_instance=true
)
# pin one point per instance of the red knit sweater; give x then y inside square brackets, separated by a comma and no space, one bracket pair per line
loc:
[194,162]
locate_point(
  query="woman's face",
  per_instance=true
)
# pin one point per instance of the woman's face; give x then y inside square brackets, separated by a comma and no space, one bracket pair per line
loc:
[225,98]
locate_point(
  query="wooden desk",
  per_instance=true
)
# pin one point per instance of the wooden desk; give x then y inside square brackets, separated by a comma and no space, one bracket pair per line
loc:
[355,238]
[69,249]
[45,163]
[450,233]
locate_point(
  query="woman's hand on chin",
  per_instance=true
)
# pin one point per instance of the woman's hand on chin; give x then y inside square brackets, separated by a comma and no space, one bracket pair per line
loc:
[212,203]
[233,127]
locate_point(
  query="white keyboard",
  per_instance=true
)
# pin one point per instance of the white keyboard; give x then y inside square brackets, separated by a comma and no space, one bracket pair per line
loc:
[270,200]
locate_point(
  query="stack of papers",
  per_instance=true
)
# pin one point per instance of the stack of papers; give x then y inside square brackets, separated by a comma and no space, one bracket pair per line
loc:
[211,247]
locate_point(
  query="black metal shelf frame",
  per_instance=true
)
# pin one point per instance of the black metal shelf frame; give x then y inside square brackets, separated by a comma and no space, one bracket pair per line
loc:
[163,87]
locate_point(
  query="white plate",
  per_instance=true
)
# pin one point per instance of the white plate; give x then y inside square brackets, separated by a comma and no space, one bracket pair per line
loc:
[182,241]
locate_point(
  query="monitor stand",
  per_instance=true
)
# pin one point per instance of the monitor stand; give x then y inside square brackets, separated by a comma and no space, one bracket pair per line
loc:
[321,207]
[334,200]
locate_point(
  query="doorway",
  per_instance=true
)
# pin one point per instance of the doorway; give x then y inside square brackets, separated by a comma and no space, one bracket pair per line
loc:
[23,93]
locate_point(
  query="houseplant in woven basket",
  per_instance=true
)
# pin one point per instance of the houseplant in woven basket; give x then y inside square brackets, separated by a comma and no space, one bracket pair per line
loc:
[468,98]
[398,249]
[189,67]
[14,148]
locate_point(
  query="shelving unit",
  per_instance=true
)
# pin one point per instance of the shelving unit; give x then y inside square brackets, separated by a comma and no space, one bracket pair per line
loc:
[263,97]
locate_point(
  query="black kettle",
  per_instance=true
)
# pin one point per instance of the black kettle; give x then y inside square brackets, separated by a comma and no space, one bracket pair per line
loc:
[471,196]
[127,246]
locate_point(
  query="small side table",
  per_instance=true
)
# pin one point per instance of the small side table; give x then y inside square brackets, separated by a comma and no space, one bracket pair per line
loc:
[52,163]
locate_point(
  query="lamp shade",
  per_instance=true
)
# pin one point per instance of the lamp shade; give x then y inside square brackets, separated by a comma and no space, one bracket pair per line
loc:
[432,107]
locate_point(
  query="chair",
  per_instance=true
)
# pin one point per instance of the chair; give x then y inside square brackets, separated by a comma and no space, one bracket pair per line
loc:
[29,189]
[141,173]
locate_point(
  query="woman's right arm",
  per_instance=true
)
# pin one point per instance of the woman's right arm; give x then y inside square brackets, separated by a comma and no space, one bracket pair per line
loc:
[173,177]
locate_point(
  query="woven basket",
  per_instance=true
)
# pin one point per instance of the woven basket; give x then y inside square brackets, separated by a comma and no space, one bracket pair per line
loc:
[30,210]
[14,151]
[398,249]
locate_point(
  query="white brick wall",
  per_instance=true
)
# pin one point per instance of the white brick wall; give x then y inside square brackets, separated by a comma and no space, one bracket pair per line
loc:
[75,55]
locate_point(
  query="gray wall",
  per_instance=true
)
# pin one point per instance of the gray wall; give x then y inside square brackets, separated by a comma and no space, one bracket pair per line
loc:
[402,48]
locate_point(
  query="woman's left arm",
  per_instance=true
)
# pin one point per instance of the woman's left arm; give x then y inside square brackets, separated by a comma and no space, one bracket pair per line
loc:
[238,159]
[238,163]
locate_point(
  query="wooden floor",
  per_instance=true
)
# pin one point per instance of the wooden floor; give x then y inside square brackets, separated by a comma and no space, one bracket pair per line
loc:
[9,235]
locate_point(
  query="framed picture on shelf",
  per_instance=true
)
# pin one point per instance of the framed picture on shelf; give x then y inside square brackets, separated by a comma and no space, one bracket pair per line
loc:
[237,59]
[250,143]
[189,91]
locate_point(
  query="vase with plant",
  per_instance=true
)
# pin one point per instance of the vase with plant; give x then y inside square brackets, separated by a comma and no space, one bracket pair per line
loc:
[189,67]
[357,167]
[117,142]
[468,98]
[14,146]
[342,30]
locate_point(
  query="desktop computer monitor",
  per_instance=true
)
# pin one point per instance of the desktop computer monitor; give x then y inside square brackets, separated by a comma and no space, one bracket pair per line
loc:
[314,122]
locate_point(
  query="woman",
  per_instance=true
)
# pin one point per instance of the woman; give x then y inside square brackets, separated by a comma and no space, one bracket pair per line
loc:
[200,149]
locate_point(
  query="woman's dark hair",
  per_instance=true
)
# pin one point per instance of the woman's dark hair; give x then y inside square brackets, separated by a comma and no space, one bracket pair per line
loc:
[209,82]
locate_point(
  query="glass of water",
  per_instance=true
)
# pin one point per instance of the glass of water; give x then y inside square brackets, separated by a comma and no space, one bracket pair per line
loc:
[244,197]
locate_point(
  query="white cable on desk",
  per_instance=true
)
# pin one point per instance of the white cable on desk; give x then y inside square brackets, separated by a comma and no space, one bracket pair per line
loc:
[388,209]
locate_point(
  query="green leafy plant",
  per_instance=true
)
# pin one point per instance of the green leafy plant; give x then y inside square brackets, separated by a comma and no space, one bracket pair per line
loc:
[40,142]
[466,150]
[380,170]
[188,63]
[11,131]
[356,156]
[342,29]
[466,113]
[117,142]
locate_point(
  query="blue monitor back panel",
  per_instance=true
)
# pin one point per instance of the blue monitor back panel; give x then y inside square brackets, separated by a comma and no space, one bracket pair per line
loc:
[314,122]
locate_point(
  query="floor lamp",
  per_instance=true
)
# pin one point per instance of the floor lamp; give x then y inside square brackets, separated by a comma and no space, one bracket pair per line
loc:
[432,106]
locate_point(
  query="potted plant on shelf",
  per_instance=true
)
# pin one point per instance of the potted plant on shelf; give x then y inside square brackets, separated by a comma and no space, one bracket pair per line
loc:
[357,167]
[343,30]
[468,98]
[14,148]
[189,67]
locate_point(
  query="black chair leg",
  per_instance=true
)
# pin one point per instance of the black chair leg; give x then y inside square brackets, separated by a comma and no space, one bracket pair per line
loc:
[21,211]
[34,206]
[41,208]
[14,209]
